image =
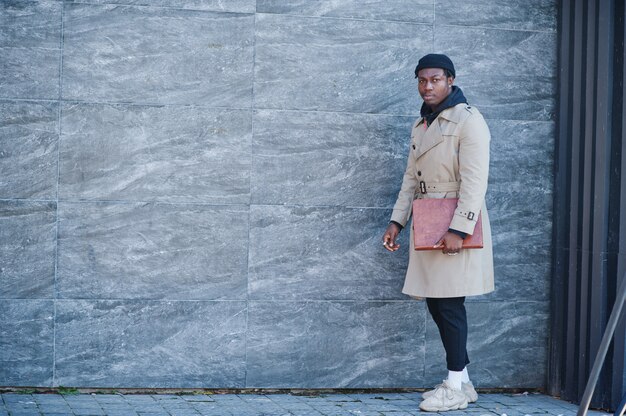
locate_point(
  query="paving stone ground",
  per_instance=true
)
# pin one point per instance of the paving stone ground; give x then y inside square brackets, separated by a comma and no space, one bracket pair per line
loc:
[369,404]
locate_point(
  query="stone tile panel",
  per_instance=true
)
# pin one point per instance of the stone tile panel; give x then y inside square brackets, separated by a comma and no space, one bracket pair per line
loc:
[337,64]
[152,251]
[30,42]
[157,55]
[311,158]
[150,344]
[323,253]
[507,345]
[507,74]
[27,249]
[26,342]
[522,255]
[417,11]
[504,53]
[28,155]
[234,6]
[335,344]
[162,153]
[520,15]
[521,175]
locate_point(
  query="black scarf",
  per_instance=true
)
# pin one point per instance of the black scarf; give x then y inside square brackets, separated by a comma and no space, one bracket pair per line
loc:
[455,97]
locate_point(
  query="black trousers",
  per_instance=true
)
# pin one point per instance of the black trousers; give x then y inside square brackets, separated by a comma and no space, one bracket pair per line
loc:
[451,319]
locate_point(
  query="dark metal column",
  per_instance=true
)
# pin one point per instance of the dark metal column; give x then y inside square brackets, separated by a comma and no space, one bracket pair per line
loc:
[590,195]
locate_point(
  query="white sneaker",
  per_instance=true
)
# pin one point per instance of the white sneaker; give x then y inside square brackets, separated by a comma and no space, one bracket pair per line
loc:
[429,393]
[467,388]
[470,392]
[444,398]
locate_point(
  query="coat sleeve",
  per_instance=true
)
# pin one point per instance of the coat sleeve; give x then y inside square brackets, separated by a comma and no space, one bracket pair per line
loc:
[474,141]
[404,204]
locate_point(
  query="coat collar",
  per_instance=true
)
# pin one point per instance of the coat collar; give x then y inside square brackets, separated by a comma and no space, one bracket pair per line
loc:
[454,114]
[434,135]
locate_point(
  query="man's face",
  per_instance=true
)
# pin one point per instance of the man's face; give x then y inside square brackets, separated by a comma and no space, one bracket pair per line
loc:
[433,85]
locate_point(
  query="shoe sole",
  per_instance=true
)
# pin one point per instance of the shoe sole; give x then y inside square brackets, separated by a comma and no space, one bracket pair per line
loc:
[469,399]
[445,409]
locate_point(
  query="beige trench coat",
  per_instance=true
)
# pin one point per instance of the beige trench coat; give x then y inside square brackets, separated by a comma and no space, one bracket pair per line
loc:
[454,148]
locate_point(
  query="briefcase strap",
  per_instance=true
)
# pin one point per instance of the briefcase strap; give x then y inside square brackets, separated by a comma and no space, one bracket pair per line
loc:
[437,187]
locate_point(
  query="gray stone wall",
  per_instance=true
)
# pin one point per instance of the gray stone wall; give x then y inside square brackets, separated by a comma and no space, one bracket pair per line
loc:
[193,192]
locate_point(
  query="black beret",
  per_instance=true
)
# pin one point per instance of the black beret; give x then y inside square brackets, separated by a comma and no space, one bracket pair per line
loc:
[435,60]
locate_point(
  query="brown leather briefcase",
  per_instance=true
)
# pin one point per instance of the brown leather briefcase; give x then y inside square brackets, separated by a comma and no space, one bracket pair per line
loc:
[431,220]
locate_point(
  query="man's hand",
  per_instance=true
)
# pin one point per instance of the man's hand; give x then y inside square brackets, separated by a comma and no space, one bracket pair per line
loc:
[450,243]
[389,238]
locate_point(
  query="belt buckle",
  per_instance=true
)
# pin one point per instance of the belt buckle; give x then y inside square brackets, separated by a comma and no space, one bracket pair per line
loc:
[422,187]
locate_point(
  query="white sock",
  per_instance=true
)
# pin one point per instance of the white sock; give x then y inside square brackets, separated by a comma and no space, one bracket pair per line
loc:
[454,379]
[465,376]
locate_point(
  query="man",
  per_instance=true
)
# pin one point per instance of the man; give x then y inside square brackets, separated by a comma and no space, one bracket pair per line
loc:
[448,158]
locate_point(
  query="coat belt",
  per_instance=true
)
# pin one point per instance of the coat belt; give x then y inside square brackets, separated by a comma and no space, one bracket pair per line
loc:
[437,187]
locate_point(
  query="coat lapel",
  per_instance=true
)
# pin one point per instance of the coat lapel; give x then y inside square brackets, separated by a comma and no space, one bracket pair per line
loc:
[431,138]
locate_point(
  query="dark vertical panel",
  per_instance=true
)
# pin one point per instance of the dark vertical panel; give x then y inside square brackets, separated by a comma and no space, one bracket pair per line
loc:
[590,227]
[576,120]
[618,222]
[602,150]
[561,192]
[587,190]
